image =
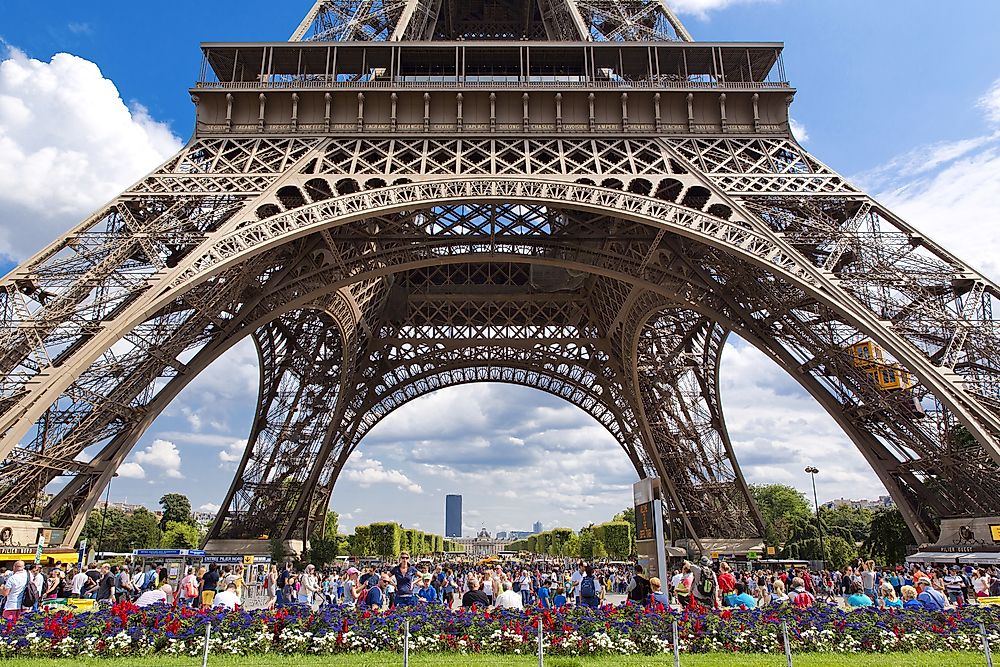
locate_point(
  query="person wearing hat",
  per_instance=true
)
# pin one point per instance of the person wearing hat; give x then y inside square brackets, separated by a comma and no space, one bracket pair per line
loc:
[352,588]
[705,584]
[426,592]
[929,598]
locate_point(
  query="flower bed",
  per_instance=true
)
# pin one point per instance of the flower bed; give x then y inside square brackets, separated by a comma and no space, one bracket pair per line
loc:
[125,630]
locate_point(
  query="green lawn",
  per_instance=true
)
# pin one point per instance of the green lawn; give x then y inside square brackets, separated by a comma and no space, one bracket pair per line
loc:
[388,659]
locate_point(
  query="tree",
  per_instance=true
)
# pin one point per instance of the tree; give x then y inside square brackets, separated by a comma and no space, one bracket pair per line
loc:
[616,536]
[142,530]
[322,551]
[572,546]
[628,515]
[781,506]
[180,535]
[276,546]
[839,552]
[361,542]
[888,538]
[560,536]
[385,538]
[114,533]
[176,507]
[332,525]
[857,521]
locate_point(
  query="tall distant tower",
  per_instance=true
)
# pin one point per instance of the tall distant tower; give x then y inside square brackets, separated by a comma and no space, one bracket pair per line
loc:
[453,516]
[537,528]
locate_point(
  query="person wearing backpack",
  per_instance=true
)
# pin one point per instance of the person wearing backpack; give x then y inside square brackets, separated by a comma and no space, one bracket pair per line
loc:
[799,596]
[705,584]
[123,585]
[590,589]
[638,588]
[280,584]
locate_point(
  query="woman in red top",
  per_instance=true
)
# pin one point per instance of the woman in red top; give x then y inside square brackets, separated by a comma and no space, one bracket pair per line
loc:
[727,580]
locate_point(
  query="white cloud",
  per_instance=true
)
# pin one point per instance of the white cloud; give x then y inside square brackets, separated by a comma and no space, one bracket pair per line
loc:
[367,471]
[701,8]
[990,103]
[211,508]
[69,143]
[131,470]
[950,190]
[777,429]
[799,131]
[162,454]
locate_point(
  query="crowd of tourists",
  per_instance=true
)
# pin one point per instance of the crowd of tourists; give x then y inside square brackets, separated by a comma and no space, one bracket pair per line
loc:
[29,587]
[704,582]
[507,585]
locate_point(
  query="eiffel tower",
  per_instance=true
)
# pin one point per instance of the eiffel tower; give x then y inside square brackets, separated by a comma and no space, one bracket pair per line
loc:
[571,195]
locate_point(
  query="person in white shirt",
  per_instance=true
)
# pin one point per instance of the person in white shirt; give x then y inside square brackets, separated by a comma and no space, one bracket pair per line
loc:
[162,595]
[13,589]
[576,578]
[509,599]
[228,598]
[79,579]
[310,585]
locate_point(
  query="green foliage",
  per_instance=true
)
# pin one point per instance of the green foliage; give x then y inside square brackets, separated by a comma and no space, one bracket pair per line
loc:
[628,516]
[888,538]
[591,546]
[122,532]
[360,543]
[276,547]
[616,536]
[571,548]
[386,539]
[114,521]
[781,507]
[531,543]
[839,552]
[332,528]
[142,530]
[856,521]
[180,535]
[176,507]
[321,551]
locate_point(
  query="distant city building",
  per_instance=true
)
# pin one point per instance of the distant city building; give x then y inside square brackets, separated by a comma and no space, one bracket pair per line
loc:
[482,545]
[453,516]
[537,528]
[883,502]
[502,535]
[518,534]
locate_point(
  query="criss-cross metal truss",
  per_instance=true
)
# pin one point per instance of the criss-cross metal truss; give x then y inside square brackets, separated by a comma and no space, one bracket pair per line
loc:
[386,212]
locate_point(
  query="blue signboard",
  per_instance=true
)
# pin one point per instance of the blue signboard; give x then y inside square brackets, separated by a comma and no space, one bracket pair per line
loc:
[168,552]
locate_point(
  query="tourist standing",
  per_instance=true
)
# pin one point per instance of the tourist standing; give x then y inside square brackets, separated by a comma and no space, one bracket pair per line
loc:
[210,585]
[590,589]
[705,584]
[13,590]
[402,580]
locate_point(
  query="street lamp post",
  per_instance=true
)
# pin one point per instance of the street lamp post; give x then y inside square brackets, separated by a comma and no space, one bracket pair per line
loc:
[104,518]
[812,470]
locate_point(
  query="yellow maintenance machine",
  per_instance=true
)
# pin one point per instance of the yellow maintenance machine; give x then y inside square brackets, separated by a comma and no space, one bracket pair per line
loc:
[870,358]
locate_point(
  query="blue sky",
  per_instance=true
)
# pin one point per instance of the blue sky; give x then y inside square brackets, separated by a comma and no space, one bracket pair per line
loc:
[901,96]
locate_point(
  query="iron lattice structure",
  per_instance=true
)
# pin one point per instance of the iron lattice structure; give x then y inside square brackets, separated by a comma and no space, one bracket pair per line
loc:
[570,195]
